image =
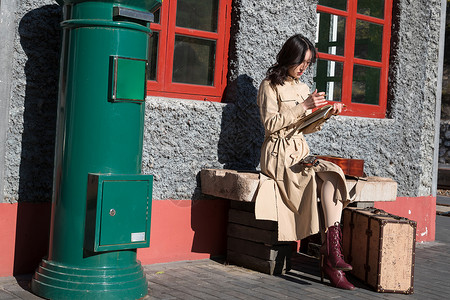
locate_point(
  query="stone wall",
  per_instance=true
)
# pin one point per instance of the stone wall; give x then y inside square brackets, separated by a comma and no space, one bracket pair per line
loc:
[29,145]
[230,134]
[399,146]
[184,136]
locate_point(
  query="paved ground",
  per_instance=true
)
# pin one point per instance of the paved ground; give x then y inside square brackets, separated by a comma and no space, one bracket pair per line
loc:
[210,279]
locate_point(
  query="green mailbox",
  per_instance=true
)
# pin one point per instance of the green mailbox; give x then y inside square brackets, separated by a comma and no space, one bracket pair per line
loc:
[101,206]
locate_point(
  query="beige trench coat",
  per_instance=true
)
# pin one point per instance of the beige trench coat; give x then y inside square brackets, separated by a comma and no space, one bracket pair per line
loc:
[288,191]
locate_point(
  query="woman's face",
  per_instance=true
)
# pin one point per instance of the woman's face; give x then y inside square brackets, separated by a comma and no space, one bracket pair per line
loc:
[297,70]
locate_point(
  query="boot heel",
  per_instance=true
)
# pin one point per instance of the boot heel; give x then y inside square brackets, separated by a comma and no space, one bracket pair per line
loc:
[336,277]
[322,274]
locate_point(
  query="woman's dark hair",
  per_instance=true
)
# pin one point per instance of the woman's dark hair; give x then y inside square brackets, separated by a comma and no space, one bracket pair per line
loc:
[292,53]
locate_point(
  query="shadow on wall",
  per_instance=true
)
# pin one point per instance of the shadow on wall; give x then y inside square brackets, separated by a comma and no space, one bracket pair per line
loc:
[242,133]
[209,221]
[40,38]
[239,148]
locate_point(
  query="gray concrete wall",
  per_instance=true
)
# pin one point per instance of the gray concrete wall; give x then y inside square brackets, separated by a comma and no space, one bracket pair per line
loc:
[29,142]
[184,136]
[230,134]
[399,146]
[7,30]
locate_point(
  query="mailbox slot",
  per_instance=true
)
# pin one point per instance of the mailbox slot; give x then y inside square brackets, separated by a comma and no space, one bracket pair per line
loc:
[128,13]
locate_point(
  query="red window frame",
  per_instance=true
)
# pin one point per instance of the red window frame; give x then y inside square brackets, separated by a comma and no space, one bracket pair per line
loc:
[167,29]
[348,60]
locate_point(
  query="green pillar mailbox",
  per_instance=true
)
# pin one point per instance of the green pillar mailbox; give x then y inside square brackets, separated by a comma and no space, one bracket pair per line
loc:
[101,202]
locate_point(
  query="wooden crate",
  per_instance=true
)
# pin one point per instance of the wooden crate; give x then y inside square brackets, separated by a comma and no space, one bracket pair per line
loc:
[253,244]
[381,248]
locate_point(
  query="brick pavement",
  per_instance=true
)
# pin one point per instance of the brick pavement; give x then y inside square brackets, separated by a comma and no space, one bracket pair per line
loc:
[212,279]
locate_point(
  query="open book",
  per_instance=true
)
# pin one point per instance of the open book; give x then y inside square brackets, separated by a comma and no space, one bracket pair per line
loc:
[319,116]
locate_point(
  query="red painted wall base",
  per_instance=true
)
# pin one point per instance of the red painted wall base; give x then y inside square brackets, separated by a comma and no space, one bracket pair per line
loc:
[180,230]
[420,209]
[186,230]
[24,231]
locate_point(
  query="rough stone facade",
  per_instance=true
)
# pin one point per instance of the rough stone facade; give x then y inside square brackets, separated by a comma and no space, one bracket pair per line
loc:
[399,146]
[184,136]
[28,171]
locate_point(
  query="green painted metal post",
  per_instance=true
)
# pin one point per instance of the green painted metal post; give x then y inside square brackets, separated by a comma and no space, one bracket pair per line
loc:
[101,202]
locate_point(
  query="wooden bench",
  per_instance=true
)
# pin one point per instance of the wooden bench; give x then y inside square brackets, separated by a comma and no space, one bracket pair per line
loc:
[254,243]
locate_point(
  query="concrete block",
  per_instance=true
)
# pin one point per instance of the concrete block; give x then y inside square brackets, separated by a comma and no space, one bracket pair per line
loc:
[229,184]
[374,189]
[242,186]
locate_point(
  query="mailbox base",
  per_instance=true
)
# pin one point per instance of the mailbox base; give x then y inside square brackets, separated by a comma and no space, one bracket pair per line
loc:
[56,281]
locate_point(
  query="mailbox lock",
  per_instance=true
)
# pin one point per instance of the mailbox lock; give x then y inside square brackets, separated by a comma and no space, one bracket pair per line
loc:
[112,212]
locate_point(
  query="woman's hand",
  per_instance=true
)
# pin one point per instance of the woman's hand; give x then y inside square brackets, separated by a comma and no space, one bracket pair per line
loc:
[337,108]
[314,100]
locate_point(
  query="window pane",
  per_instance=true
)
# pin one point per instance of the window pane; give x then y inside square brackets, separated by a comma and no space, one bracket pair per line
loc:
[374,8]
[368,43]
[153,57]
[339,4]
[198,14]
[366,85]
[328,78]
[331,34]
[157,14]
[193,60]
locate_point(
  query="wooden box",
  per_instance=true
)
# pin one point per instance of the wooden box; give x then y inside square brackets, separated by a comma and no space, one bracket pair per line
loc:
[253,244]
[350,166]
[381,248]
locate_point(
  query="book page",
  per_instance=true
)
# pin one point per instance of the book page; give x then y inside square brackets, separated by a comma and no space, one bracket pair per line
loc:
[322,113]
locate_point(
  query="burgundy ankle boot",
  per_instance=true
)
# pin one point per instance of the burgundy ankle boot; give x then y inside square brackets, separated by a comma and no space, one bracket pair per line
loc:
[337,277]
[332,249]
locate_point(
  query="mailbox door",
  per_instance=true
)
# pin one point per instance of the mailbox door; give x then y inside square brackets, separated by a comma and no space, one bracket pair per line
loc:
[118,212]
[123,213]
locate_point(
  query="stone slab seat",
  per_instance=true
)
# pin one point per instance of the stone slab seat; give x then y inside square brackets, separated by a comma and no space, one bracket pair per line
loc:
[242,186]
